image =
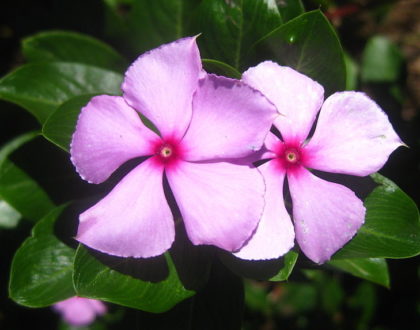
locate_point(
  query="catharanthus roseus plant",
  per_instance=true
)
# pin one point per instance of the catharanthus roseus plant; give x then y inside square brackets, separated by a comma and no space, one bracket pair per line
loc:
[205,124]
[78,311]
[352,136]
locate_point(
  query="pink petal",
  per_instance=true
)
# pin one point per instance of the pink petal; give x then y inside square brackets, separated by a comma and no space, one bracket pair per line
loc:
[297,97]
[221,203]
[326,215]
[160,84]
[108,133]
[79,311]
[230,120]
[353,136]
[275,234]
[134,219]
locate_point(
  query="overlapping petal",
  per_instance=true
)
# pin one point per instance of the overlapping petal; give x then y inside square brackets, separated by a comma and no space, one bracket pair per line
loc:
[230,120]
[353,136]
[108,133]
[297,97]
[134,219]
[160,84]
[221,203]
[275,234]
[326,215]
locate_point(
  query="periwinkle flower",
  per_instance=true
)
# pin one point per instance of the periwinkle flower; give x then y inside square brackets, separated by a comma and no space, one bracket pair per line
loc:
[352,136]
[206,124]
[78,311]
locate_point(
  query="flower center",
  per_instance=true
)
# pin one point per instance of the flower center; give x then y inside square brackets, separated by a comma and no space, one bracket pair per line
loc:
[291,155]
[166,151]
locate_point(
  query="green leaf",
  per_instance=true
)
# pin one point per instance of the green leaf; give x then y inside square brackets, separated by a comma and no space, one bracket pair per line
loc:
[230,28]
[42,267]
[289,263]
[381,61]
[371,269]
[17,189]
[9,217]
[92,279]
[61,125]
[221,68]
[391,228]
[310,45]
[42,87]
[67,46]
[352,73]
[290,9]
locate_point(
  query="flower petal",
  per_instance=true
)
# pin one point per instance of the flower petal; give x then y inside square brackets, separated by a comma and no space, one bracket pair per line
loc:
[353,136]
[221,203]
[134,219]
[275,234]
[108,133]
[297,97]
[160,84]
[326,215]
[79,311]
[230,120]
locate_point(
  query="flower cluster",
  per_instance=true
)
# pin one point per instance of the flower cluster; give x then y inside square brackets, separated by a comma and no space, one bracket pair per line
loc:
[208,129]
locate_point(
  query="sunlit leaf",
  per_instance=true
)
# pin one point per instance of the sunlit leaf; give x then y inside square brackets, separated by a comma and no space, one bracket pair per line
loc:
[290,259]
[9,217]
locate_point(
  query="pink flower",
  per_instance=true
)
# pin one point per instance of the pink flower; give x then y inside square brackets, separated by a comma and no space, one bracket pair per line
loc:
[79,311]
[206,124]
[352,136]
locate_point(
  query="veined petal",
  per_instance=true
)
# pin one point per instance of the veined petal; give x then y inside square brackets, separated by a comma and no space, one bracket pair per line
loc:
[221,203]
[353,136]
[134,219]
[229,120]
[297,97]
[275,234]
[108,133]
[326,215]
[160,84]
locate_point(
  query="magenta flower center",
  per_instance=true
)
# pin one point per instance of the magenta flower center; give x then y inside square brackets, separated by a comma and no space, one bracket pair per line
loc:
[292,156]
[167,151]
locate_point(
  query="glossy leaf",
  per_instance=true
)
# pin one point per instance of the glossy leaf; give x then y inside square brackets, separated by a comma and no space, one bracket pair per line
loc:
[310,45]
[290,259]
[71,47]
[92,279]
[381,61]
[391,228]
[371,269]
[230,28]
[17,189]
[290,9]
[42,267]
[9,217]
[60,126]
[41,87]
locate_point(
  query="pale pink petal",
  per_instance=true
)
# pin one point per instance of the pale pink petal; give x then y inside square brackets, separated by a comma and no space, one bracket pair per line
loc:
[221,203]
[326,215]
[134,219]
[79,311]
[160,84]
[275,234]
[108,133]
[297,97]
[230,120]
[353,136]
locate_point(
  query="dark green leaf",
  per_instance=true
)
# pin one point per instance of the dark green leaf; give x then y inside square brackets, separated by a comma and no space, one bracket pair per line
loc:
[71,47]
[41,87]
[92,279]
[60,126]
[290,9]
[42,267]
[371,269]
[230,28]
[381,61]
[17,189]
[310,45]
[9,217]
[221,68]
[289,263]
[391,228]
